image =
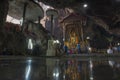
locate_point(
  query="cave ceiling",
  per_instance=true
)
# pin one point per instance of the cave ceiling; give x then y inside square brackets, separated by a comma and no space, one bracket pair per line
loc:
[33,10]
[106,10]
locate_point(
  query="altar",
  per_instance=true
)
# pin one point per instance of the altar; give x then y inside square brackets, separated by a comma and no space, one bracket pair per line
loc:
[73,30]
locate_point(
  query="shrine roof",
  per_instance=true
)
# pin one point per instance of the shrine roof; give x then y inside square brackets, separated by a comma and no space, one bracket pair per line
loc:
[72,17]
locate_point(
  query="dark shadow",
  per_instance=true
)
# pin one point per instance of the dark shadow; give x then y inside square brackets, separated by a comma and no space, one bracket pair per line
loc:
[103,72]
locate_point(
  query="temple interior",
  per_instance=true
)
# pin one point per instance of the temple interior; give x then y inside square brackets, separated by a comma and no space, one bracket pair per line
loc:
[60,40]
[37,25]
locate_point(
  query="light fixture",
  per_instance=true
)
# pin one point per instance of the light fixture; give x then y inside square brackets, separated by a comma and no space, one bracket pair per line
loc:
[118,43]
[87,37]
[85,5]
[90,49]
[30,44]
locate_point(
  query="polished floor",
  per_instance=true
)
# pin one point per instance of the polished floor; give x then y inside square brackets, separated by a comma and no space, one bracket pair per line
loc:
[53,68]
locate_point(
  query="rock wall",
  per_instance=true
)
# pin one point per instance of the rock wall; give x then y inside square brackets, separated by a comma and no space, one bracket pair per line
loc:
[40,37]
[3,12]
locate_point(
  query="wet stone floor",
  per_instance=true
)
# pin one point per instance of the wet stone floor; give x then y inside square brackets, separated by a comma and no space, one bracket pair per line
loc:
[59,69]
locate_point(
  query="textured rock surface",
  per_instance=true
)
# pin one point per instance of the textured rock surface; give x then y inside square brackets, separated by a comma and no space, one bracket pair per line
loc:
[40,37]
[33,10]
[108,11]
[3,12]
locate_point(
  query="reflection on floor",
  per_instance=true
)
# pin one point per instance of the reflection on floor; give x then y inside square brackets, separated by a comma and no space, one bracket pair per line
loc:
[59,69]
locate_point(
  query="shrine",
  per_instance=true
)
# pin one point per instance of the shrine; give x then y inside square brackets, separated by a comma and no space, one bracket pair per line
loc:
[73,30]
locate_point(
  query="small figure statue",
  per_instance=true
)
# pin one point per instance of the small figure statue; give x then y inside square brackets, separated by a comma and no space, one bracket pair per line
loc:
[78,48]
[65,49]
